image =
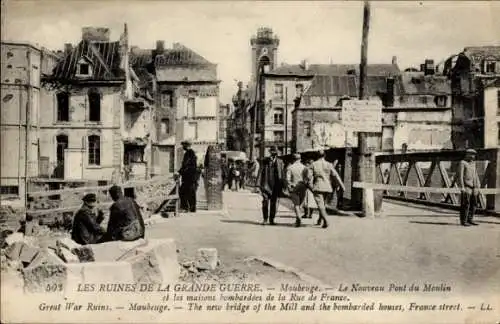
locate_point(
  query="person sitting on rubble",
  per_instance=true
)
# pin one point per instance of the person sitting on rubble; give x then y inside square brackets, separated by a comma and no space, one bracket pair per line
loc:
[86,227]
[125,219]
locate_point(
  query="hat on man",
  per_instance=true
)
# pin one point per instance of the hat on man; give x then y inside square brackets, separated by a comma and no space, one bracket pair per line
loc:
[296,156]
[186,142]
[89,198]
[470,151]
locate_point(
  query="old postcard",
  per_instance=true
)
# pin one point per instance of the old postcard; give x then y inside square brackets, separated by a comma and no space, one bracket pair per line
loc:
[250,162]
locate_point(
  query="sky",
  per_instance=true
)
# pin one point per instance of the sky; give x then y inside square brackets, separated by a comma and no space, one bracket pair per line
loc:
[319,32]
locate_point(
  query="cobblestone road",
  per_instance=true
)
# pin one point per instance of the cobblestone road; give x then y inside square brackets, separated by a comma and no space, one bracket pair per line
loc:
[406,245]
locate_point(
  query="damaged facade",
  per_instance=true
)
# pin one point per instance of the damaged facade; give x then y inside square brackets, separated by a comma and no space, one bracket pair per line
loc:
[474,75]
[187,97]
[98,127]
[416,107]
[22,111]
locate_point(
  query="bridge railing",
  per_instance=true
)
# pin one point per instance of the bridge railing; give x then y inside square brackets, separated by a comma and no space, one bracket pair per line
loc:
[437,170]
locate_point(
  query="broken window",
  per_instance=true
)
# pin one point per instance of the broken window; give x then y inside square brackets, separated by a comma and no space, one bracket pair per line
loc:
[94,105]
[94,150]
[62,106]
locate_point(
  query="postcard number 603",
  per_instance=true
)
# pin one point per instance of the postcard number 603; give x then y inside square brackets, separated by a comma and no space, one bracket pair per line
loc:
[54,287]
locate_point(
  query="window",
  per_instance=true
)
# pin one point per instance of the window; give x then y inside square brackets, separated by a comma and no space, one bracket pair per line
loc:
[9,190]
[94,150]
[440,101]
[94,105]
[278,91]
[307,128]
[83,69]
[165,126]
[490,66]
[300,89]
[167,99]
[192,131]
[62,106]
[191,109]
[279,136]
[278,116]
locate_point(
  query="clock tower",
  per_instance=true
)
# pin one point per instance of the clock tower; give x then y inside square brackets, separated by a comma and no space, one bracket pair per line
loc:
[264,50]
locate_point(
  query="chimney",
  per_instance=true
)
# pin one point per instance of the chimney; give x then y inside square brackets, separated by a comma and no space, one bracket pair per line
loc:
[68,48]
[160,46]
[422,67]
[95,34]
[389,102]
[429,67]
[304,65]
[394,60]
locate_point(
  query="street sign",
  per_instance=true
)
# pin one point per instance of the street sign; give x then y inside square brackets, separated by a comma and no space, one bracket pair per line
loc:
[362,116]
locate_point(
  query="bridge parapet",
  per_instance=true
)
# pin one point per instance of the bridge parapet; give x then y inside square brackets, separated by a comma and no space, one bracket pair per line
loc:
[437,170]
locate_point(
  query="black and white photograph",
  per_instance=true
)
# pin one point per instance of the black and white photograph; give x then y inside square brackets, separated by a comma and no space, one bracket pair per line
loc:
[167,161]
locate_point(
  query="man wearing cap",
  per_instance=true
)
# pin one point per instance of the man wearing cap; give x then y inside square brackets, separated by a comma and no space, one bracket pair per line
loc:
[295,185]
[125,219]
[323,173]
[188,173]
[468,182]
[86,228]
[271,184]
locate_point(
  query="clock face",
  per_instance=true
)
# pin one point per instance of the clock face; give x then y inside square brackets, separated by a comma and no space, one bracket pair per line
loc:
[263,51]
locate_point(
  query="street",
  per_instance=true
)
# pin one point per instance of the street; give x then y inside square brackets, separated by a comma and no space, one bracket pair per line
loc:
[406,245]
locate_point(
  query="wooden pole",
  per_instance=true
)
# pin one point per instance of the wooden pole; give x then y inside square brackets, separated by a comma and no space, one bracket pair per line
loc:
[261,112]
[363,158]
[286,120]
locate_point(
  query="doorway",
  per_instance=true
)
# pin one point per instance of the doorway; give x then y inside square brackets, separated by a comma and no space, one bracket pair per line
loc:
[61,146]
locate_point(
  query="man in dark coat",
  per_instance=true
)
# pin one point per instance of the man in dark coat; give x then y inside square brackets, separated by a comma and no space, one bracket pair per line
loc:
[224,172]
[189,174]
[86,228]
[271,184]
[125,219]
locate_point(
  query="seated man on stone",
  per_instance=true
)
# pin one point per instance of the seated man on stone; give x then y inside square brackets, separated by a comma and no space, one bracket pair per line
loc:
[125,219]
[86,227]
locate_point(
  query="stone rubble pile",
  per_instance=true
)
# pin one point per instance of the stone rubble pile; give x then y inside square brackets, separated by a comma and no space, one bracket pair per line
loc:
[151,196]
[64,263]
[206,265]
